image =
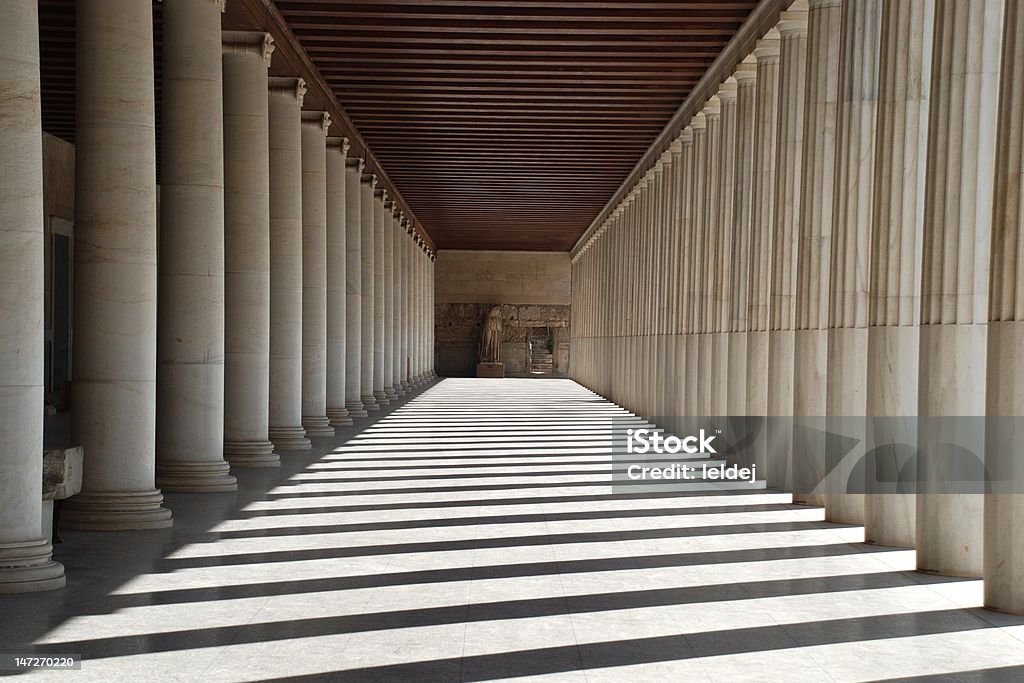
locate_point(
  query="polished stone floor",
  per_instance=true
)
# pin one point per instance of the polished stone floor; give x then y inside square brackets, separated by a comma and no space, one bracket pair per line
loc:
[470,533]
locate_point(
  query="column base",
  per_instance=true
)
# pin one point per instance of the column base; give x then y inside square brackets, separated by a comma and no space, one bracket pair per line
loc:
[339,417]
[29,567]
[318,426]
[390,392]
[251,454]
[290,438]
[194,476]
[406,387]
[115,511]
[382,398]
[370,403]
[355,409]
[399,391]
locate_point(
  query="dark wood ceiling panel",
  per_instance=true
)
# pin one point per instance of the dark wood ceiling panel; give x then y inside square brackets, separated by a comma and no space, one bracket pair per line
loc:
[507,124]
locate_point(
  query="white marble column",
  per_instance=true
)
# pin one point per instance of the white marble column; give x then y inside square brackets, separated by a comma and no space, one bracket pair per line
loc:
[722,248]
[955,272]
[337,281]
[1003,566]
[683,189]
[114,412]
[695,407]
[406,242]
[190,317]
[367,187]
[245,61]
[380,294]
[417,319]
[398,237]
[810,341]
[388,207]
[788,170]
[286,430]
[25,555]
[736,323]
[315,125]
[353,288]
[431,372]
[895,286]
[762,222]
[847,352]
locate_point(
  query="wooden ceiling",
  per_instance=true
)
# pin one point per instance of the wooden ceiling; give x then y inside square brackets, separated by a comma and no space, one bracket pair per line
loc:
[503,124]
[507,124]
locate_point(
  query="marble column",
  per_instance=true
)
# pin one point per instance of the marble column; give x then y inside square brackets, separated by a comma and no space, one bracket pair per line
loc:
[736,307]
[387,231]
[417,326]
[286,236]
[762,222]
[354,288]
[315,125]
[431,372]
[847,346]
[115,277]
[246,57]
[406,301]
[380,295]
[398,236]
[367,263]
[693,245]
[25,555]
[810,341]
[190,320]
[722,248]
[1003,562]
[337,281]
[683,188]
[895,279]
[954,285]
[788,170]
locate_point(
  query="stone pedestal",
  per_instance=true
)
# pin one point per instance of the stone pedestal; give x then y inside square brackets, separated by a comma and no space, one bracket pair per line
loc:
[490,369]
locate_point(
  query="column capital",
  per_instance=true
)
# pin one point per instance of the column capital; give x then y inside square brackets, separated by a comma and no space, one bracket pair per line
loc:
[767,49]
[287,85]
[712,108]
[676,148]
[794,20]
[698,122]
[819,4]
[686,136]
[340,142]
[248,42]
[727,91]
[666,158]
[746,71]
[317,118]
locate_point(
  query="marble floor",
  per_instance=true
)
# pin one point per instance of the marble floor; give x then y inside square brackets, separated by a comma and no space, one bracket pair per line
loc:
[470,532]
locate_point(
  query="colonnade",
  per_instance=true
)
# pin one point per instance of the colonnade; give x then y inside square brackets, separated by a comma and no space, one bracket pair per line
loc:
[249,333]
[834,234]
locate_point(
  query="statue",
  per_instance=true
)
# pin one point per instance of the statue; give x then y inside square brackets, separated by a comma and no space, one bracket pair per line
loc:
[490,364]
[490,337]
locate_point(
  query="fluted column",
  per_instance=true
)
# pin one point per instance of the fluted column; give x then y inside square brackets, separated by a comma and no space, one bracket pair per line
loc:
[286,430]
[245,59]
[190,320]
[847,352]
[810,341]
[1003,564]
[366,260]
[353,289]
[682,188]
[693,245]
[25,555]
[722,249]
[895,286]
[115,278]
[431,372]
[736,323]
[380,295]
[782,299]
[406,242]
[954,288]
[315,125]
[417,274]
[388,208]
[398,236]
[337,281]
[762,221]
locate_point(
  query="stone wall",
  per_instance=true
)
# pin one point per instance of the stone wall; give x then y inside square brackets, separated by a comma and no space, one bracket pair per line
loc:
[533,289]
[458,336]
